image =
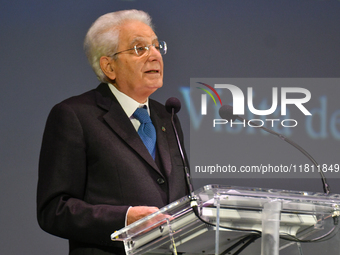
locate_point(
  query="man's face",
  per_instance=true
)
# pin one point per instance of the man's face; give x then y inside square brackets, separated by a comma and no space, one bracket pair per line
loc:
[137,76]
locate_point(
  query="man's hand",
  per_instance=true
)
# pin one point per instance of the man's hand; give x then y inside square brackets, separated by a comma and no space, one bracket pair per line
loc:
[137,212]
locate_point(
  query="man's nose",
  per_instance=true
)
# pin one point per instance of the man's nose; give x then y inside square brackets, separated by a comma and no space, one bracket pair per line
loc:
[154,52]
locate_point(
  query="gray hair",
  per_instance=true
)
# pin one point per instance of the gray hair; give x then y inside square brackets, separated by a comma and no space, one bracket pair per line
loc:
[103,36]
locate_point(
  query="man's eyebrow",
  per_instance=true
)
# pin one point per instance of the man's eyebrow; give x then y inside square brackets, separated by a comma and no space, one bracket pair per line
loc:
[141,39]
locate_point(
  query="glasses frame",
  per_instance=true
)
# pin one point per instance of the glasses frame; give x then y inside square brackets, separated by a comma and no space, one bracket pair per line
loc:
[162,45]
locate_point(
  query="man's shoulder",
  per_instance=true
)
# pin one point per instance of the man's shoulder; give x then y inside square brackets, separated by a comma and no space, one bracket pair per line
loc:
[78,99]
[88,97]
[85,102]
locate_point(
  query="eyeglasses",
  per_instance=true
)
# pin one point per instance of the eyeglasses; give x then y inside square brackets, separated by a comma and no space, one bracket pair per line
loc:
[141,50]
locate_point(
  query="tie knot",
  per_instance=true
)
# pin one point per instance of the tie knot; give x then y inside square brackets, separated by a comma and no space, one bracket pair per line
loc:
[142,115]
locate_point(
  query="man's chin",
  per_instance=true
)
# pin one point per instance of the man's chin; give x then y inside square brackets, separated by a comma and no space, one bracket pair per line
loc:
[153,89]
[155,86]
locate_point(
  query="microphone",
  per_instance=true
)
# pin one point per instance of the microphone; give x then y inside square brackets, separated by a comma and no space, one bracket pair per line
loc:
[173,105]
[226,112]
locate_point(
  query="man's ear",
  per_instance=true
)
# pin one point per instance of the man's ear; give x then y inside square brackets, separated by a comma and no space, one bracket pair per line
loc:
[107,67]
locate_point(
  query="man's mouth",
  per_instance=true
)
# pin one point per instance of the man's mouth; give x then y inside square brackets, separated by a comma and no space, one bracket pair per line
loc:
[152,71]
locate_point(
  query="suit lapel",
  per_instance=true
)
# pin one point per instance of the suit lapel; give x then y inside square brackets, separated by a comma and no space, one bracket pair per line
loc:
[116,118]
[162,126]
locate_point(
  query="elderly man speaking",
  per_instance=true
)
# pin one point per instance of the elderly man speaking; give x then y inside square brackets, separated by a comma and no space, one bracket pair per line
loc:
[109,156]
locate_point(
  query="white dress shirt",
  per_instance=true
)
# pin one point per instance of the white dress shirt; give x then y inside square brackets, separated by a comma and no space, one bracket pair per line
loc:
[129,105]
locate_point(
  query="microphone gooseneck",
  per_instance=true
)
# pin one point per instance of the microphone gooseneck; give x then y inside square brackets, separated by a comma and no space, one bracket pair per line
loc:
[226,112]
[173,105]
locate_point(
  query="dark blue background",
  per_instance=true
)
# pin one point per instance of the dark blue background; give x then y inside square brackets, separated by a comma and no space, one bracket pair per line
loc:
[42,63]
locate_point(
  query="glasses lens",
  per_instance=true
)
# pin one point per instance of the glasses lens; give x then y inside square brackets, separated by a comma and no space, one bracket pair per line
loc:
[140,50]
[163,47]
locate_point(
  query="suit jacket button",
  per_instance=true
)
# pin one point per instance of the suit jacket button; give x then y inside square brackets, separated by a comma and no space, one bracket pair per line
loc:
[160,180]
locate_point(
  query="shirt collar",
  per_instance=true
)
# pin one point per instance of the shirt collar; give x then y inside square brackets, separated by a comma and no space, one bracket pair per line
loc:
[128,104]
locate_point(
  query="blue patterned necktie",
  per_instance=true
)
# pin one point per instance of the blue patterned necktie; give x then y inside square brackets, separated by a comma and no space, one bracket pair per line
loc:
[146,130]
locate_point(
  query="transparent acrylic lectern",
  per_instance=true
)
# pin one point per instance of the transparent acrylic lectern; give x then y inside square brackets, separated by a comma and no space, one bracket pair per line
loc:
[236,220]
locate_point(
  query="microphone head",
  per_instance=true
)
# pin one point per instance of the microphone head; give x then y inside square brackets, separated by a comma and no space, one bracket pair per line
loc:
[226,112]
[173,103]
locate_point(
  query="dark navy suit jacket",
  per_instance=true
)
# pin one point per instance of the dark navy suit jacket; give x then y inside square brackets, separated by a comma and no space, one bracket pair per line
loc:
[93,166]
